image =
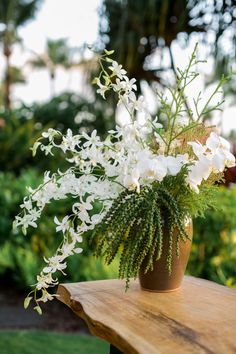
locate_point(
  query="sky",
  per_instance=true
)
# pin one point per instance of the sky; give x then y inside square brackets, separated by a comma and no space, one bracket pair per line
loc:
[78,21]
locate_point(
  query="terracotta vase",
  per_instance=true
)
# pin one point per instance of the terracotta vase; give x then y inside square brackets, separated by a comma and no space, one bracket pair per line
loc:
[159,279]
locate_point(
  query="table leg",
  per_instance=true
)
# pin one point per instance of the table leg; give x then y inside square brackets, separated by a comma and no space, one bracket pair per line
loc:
[114,350]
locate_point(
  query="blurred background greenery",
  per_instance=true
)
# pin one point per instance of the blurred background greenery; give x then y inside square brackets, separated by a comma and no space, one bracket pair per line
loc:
[144,34]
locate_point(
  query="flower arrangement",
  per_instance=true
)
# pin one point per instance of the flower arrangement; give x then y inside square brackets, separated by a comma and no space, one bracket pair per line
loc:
[145,173]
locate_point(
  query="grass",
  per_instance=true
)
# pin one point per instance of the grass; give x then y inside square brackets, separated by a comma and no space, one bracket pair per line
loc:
[38,342]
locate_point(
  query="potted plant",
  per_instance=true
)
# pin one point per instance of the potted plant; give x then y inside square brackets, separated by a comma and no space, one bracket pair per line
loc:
[138,189]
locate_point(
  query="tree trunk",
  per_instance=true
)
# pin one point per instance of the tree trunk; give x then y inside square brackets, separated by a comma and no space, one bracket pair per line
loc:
[52,83]
[7,83]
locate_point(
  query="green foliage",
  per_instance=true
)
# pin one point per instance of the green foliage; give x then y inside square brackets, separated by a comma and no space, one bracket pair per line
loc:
[17,133]
[20,256]
[212,257]
[15,13]
[17,76]
[17,259]
[223,16]
[137,29]
[191,203]
[32,342]
[69,110]
[20,128]
[11,194]
[136,223]
[213,254]
[90,268]
[57,53]
[18,263]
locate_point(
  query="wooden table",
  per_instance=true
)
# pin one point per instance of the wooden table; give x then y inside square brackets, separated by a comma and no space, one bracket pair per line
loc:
[200,317]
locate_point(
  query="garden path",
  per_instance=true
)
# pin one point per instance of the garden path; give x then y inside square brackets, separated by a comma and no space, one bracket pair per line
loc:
[55,317]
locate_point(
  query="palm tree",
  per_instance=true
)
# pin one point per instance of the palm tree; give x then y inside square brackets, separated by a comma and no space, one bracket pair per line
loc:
[57,53]
[17,77]
[13,14]
[136,29]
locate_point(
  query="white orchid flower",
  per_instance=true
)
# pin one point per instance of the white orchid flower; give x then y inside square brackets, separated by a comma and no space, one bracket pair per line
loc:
[27,204]
[26,221]
[45,280]
[117,69]
[70,141]
[46,296]
[201,170]
[93,140]
[153,168]
[174,164]
[125,85]
[50,134]
[62,225]
[102,89]
[54,264]
[215,141]
[136,104]
[132,181]
[198,148]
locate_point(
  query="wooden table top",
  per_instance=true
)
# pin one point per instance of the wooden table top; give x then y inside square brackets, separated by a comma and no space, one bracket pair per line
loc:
[200,317]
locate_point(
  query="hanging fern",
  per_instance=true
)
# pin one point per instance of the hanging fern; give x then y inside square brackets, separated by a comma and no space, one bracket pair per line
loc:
[136,224]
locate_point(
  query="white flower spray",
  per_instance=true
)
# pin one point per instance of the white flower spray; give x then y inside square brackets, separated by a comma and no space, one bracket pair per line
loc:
[131,157]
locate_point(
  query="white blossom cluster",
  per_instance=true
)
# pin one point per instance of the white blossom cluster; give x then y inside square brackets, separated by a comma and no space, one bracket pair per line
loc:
[132,156]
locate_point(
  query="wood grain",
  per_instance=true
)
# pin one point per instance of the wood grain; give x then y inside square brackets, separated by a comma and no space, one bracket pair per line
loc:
[200,317]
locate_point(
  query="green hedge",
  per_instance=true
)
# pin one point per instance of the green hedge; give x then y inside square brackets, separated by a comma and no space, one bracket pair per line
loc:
[21,257]
[213,254]
[20,128]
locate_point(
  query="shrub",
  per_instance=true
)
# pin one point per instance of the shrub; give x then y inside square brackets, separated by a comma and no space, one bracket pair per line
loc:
[20,128]
[213,254]
[69,110]
[17,134]
[20,256]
